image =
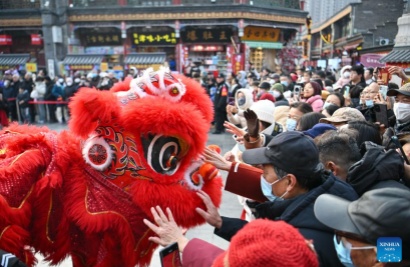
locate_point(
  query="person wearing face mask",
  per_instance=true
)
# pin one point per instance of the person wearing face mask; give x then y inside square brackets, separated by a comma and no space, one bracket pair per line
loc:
[264,92]
[59,94]
[277,92]
[336,99]
[401,108]
[344,77]
[292,179]
[359,224]
[296,111]
[243,100]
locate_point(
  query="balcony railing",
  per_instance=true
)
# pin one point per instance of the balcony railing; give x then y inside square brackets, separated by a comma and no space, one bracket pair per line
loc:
[294,4]
[35,4]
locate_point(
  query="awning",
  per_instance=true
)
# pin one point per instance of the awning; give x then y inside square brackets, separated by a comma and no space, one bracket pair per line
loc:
[269,45]
[145,59]
[402,56]
[13,59]
[83,59]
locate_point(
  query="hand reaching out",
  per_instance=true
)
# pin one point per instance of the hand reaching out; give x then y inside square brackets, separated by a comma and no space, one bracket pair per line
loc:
[217,160]
[166,228]
[211,215]
[231,128]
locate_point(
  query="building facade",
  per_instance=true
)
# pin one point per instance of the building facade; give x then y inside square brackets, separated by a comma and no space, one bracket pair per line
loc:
[364,30]
[81,35]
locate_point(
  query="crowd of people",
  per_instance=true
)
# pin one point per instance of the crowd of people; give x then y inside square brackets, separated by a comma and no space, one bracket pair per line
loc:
[321,153]
[320,163]
[37,98]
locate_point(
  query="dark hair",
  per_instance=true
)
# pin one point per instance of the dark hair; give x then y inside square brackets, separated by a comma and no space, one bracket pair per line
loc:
[255,83]
[305,182]
[319,82]
[371,70]
[266,68]
[341,98]
[317,88]
[332,78]
[39,79]
[358,69]
[308,120]
[302,107]
[308,72]
[355,91]
[367,132]
[331,109]
[328,82]
[47,78]
[339,147]
[321,74]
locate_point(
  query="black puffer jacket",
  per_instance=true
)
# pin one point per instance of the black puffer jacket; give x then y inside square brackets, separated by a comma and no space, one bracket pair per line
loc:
[299,213]
[376,166]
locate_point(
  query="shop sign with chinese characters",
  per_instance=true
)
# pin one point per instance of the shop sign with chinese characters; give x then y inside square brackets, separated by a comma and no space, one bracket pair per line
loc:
[158,38]
[264,34]
[192,35]
[81,67]
[6,39]
[101,39]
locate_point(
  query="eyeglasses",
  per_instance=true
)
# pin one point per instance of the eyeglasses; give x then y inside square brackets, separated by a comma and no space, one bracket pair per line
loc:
[348,245]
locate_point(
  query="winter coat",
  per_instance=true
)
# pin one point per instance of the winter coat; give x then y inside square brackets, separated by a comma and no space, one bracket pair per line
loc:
[298,212]
[375,168]
[315,101]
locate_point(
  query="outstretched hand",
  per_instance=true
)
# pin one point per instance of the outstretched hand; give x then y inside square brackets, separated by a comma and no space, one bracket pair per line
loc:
[217,160]
[211,215]
[231,128]
[252,122]
[166,228]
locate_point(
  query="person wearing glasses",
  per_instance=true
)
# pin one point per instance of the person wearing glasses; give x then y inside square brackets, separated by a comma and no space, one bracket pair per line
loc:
[359,224]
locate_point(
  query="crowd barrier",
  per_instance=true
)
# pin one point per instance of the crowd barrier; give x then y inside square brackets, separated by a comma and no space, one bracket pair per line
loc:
[37,102]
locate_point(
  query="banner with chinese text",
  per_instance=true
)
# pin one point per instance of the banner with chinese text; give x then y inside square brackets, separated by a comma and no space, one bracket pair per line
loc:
[264,34]
[192,35]
[157,38]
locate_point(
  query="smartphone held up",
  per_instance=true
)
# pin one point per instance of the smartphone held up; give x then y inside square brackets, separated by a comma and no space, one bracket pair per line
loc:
[170,256]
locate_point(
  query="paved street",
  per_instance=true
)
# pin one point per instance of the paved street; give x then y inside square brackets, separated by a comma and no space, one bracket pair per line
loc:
[229,207]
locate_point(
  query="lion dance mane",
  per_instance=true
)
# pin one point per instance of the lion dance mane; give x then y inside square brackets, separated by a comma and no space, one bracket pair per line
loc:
[85,192]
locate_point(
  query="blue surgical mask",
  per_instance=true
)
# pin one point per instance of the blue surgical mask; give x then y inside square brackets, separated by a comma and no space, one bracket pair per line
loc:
[342,253]
[369,103]
[241,101]
[267,189]
[291,124]
[284,83]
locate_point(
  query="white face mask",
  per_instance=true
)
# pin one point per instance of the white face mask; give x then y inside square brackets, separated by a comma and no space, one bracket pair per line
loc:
[402,112]
[276,94]
[69,83]
[346,74]
[291,124]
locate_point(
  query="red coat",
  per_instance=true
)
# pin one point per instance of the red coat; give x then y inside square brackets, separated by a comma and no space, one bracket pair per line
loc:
[199,253]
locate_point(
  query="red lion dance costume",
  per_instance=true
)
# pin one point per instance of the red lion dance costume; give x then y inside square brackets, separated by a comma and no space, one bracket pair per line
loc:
[84,193]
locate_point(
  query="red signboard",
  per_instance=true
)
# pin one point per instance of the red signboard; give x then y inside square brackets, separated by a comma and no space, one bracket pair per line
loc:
[36,39]
[6,39]
[371,60]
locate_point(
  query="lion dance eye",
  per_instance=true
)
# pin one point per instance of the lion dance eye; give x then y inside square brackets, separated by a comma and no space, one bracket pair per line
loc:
[162,153]
[174,91]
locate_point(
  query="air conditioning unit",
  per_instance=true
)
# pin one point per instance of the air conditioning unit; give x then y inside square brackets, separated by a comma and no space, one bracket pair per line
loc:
[384,42]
